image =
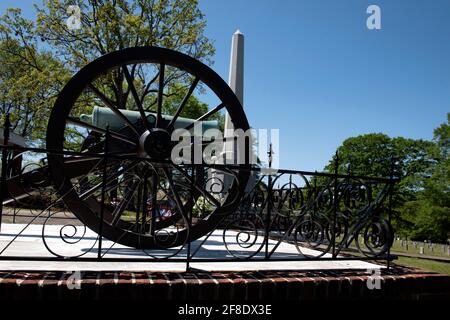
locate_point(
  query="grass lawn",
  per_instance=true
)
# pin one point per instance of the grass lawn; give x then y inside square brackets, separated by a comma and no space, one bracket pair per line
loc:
[428,265]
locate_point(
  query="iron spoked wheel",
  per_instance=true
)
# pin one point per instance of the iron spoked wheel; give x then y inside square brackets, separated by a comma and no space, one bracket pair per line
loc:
[148,196]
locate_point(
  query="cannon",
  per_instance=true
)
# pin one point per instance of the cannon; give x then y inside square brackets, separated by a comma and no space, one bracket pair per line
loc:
[104,117]
[137,196]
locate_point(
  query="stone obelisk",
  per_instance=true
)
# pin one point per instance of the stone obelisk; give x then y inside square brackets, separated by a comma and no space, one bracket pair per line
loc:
[236,73]
[221,182]
[236,83]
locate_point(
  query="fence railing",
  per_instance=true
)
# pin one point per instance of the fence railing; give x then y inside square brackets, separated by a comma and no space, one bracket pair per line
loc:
[113,207]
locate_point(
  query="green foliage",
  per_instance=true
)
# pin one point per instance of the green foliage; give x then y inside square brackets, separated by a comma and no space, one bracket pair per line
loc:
[30,78]
[431,211]
[442,137]
[109,25]
[377,154]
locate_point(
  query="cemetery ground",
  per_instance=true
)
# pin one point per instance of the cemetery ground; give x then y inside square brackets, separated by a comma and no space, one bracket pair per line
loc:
[423,255]
[425,264]
[437,250]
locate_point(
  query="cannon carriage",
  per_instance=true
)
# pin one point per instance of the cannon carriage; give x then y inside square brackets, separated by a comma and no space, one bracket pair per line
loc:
[147,196]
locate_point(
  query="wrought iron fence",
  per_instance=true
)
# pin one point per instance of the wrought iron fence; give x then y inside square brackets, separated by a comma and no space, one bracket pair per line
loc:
[118,207]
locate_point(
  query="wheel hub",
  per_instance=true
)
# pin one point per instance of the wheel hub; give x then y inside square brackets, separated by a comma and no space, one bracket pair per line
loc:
[155,143]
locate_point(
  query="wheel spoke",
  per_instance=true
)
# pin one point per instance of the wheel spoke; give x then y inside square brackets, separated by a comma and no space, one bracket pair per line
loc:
[182,104]
[89,192]
[206,115]
[118,211]
[201,190]
[77,159]
[175,193]
[160,95]
[100,130]
[137,100]
[114,108]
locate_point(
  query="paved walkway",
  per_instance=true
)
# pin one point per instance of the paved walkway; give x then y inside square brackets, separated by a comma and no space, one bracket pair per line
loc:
[30,244]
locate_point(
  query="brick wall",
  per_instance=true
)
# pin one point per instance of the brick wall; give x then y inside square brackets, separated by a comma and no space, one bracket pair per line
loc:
[398,283]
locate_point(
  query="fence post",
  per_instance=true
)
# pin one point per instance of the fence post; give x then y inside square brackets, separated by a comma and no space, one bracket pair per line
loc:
[391,189]
[388,258]
[102,205]
[3,188]
[269,205]
[191,209]
[335,204]
[315,192]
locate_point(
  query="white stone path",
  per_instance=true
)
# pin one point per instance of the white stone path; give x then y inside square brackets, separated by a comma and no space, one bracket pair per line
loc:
[30,243]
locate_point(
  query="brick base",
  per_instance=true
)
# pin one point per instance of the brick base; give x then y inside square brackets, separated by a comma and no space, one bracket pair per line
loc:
[397,283]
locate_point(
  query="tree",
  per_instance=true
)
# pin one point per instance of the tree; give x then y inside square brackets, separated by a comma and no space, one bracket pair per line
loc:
[30,78]
[442,137]
[37,58]
[372,154]
[378,155]
[430,213]
[109,25]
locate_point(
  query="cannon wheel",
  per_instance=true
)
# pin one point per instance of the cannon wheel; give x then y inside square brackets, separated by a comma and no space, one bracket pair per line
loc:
[153,233]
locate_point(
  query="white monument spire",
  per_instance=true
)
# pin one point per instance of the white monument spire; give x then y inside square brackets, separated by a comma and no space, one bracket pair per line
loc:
[236,73]
[236,83]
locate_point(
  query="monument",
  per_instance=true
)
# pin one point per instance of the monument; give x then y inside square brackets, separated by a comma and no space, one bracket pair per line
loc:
[218,181]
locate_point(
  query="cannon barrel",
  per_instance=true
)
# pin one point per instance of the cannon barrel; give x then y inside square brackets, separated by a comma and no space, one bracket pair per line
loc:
[101,117]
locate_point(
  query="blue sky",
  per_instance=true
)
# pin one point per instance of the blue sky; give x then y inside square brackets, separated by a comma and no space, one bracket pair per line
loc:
[314,70]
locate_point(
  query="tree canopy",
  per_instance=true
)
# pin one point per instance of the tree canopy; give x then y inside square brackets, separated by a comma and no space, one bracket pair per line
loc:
[430,212]
[38,57]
